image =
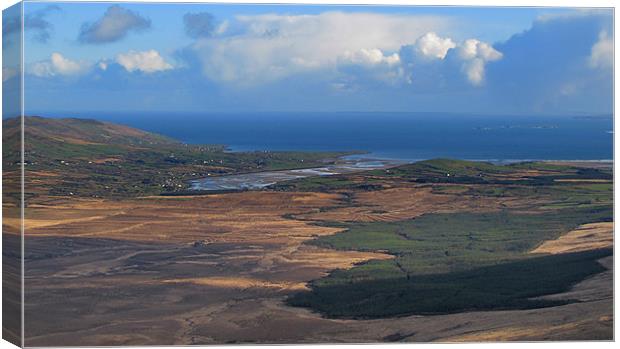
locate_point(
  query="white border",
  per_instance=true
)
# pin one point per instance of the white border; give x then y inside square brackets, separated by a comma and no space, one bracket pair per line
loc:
[486,3]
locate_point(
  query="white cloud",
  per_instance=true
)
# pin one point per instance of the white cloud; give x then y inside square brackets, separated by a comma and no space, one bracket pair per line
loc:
[474,70]
[474,48]
[58,65]
[429,54]
[270,47]
[433,46]
[370,63]
[263,48]
[66,66]
[370,57]
[475,55]
[602,53]
[146,61]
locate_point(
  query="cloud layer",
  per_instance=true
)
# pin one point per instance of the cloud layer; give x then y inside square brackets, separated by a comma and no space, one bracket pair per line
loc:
[266,48]
[556,66]
[341,61]
[147,62]
[115,24]
[345,48]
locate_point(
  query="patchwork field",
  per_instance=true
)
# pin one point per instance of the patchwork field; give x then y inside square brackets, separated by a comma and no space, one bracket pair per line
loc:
[440,250]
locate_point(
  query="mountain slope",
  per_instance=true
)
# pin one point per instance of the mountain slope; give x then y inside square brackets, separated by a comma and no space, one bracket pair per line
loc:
[84,131]
[86,157]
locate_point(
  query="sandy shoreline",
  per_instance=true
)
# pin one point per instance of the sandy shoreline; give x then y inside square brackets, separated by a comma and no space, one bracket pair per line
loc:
[264,179]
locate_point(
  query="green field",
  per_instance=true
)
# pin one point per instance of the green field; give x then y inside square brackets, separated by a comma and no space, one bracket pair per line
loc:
[504,286]
[443,262]
[454,262]
[496,179]
[98,159]
[447,242]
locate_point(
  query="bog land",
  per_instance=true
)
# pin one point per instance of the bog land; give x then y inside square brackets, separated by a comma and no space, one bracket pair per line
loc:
[120,250]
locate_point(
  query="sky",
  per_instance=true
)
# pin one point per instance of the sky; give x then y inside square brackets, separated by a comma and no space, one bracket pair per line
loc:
[119,57]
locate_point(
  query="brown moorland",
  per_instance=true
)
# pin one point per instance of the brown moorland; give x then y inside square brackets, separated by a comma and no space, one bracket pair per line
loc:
[215,269]
[135,268]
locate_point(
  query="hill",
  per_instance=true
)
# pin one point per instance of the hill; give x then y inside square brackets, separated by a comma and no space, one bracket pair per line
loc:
[84,157]
[87,131]
[73,139]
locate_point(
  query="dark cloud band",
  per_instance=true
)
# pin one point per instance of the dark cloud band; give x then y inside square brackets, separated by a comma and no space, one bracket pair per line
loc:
[115,24]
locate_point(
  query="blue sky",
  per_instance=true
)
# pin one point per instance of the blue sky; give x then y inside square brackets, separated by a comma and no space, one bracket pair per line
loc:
[208,57]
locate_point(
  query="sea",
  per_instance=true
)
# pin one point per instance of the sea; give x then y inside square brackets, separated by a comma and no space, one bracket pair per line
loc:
[401,136]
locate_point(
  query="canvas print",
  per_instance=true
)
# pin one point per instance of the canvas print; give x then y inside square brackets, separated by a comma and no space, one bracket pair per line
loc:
[203,173]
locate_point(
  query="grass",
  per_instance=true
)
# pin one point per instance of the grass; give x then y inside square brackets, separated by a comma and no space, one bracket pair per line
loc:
[452,262]
[511,285]
[437,170]
[455,173]
[442,167]
[444,170]
[455,241]
[137,162]
[564,194]
[152,172]
[443,263]
[326,183]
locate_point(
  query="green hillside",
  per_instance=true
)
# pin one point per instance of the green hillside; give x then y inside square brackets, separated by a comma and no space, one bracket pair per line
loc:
[82,157]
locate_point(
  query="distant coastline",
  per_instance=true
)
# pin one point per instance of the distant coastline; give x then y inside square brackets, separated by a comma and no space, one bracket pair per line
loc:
[346,164]
[402,136]
[369,156]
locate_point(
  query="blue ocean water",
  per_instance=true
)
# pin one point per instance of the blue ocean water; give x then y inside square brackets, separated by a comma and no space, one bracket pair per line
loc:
[406,136]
